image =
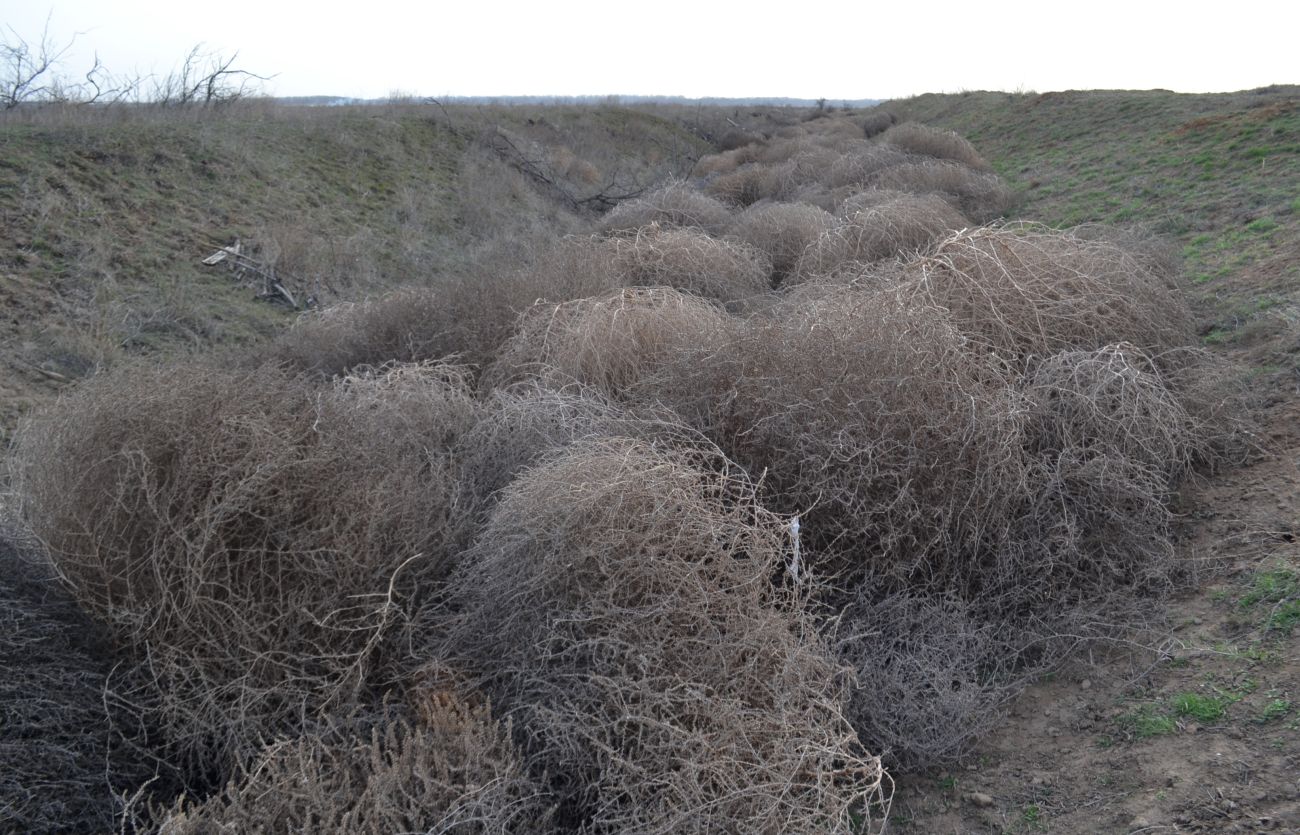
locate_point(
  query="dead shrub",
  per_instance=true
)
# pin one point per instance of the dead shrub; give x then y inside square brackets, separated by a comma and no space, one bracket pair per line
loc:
[610,342]
[250,534]
[455,770]
[782,231]
[619,608]
[675,204]
[981,196]
[877,122]
[1113,402]
[751,183]
[1029,291]
[725,162]
[932,677]
[814,194]
[870,198]
[904,225]
[461,316]
[872,417]
[860,166]
[406,325]
[932,142]
[684,259]
[528,421]
[834,127]
[1156,253]
[1219,403]
[736,138]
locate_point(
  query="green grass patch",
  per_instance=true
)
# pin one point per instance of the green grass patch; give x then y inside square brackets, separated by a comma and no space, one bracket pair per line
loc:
[1262,225]
[1274,710]
[1202,708]
[1148,721]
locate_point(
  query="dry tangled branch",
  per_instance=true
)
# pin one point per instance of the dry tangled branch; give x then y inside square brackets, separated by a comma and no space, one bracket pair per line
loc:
[619,608]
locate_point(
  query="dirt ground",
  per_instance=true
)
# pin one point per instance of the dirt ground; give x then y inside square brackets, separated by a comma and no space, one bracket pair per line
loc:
[1194,728]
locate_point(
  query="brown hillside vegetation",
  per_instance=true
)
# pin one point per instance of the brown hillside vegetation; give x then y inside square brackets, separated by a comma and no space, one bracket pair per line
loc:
[694,516]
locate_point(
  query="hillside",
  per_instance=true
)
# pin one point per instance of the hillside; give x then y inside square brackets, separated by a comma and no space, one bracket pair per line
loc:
[106,216]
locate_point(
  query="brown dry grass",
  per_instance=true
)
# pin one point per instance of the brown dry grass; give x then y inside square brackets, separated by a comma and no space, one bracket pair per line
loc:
[619,607]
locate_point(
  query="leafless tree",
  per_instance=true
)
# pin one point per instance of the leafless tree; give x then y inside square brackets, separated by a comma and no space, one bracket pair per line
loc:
[27,69]
[206,78]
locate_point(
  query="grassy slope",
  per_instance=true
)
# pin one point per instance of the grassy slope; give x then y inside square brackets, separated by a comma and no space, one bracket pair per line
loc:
[104,217]
[1219,174]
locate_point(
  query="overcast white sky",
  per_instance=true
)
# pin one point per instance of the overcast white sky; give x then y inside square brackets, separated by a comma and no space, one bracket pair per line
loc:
[798,48]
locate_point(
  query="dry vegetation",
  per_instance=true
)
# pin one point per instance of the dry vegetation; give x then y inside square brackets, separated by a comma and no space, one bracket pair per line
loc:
[764,479]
